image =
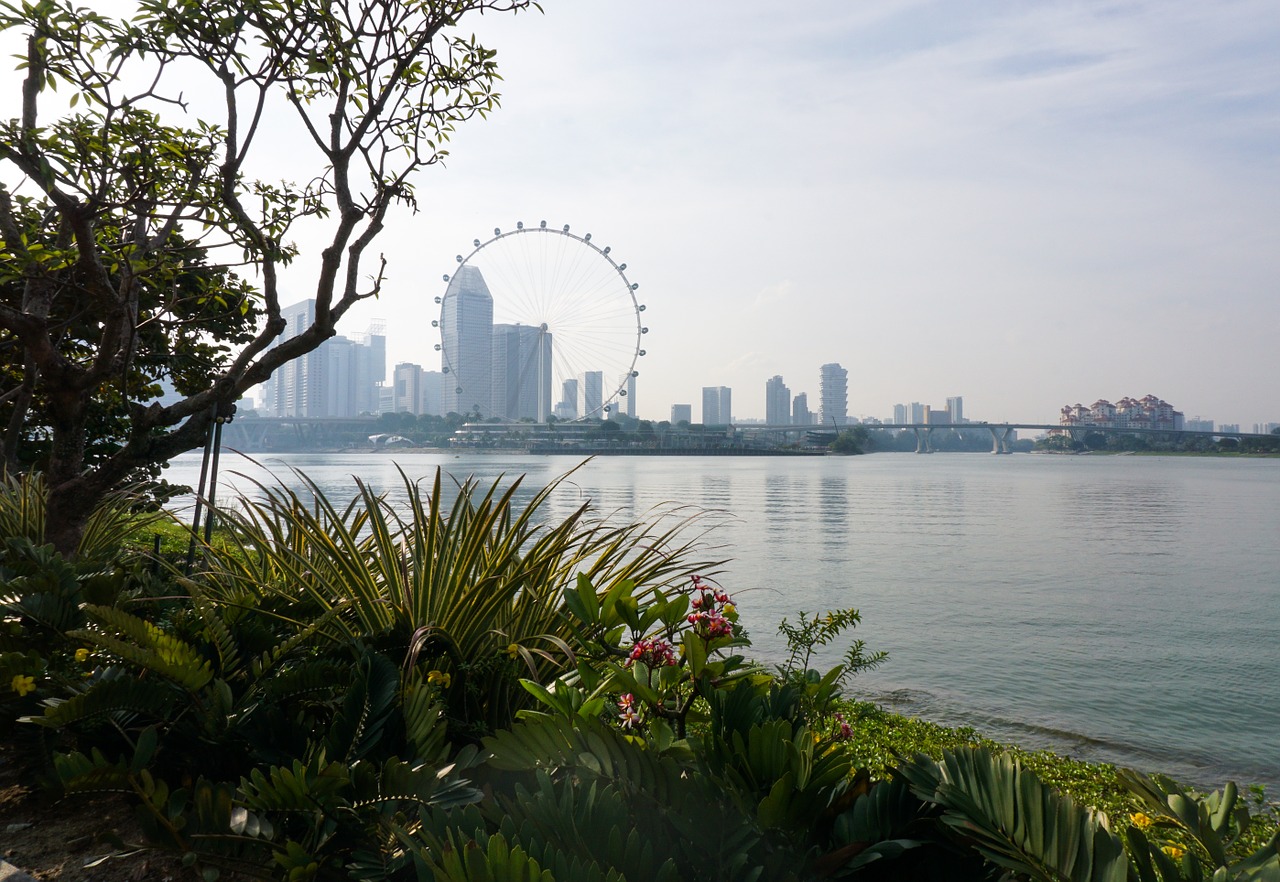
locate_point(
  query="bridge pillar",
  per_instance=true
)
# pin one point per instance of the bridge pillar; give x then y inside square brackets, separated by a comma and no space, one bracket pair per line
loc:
[922,440]
[996,447]
[1000,439]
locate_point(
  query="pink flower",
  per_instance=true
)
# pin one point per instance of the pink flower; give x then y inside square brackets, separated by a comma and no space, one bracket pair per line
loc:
[655,653]
[629,718]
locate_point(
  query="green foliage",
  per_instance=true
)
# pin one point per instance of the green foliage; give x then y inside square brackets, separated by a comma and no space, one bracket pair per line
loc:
[472,589]
[804,638]
[1195,837]
[1015,821]
[116,516]
[850,441]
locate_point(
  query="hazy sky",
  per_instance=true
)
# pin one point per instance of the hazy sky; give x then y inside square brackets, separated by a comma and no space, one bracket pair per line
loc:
[1027,204]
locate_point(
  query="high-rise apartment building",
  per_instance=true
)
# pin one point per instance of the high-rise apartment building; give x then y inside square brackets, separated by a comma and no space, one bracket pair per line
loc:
[915,413]
[833,395]
[521,372]
[567,406]
[899,414]
[339,378]
[681,413]
[955,410]
[628,405]
[592,386]
[466,336]
[800,413]
[431,386]
[406,384]
[777,402]
[295,388]
[717,406]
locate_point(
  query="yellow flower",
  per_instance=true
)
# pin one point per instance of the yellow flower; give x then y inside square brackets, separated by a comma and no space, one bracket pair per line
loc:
[1173,851]
[730,609]
[1141,820]
[82,655]
[513,650]
[439,677]
[22,685]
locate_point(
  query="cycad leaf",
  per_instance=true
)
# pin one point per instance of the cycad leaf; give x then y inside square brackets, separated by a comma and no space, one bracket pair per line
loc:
[994,802]
[110,696]
[146,645]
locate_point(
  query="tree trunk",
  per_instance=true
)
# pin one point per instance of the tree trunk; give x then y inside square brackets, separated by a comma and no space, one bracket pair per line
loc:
[66,515]
[70,501]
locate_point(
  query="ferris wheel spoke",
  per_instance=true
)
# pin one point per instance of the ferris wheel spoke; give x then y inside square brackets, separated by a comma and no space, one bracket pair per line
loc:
[578,310]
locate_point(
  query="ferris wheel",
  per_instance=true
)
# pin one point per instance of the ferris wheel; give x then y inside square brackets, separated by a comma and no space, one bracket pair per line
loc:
[538,322]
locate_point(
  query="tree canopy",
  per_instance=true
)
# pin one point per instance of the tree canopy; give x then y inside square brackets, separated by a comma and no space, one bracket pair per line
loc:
[138,247]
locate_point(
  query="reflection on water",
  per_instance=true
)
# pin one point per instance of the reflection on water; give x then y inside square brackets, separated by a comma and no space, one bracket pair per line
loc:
[1116,607]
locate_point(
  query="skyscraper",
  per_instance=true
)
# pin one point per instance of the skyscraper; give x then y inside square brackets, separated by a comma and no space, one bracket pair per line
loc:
[681,413]
[431,385]
[521,372]
[717,405]
[777,402]
[800,413]
[567,406]
[296,385]
[593,395]
[466,336]
[955,408]
[833,392]
[629,402]
[710,405]
[338,378]
[407,385]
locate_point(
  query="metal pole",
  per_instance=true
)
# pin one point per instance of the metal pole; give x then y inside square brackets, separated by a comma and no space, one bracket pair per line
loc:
[225,415]
[213,480]
[195,520]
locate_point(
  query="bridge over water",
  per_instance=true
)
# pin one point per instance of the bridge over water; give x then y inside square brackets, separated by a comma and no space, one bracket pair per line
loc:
[252,433]
[1001,433]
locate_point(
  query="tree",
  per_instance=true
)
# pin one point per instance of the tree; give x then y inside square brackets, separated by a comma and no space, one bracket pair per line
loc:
[849,441]
[137,244]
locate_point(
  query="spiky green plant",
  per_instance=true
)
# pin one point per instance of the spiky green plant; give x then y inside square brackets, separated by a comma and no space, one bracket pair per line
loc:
[472,590]
[116,517]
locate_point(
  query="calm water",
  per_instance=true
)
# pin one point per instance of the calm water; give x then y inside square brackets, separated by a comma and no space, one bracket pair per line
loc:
[1116,608]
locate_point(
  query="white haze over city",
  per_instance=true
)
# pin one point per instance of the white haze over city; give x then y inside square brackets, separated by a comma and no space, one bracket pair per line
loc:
[1025,204]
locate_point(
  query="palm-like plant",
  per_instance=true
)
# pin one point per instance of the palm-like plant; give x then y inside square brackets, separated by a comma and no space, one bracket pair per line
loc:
[473,590]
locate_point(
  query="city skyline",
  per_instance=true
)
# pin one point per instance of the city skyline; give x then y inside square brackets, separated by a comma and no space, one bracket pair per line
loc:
[1035,204]
[346,377]
[946,199]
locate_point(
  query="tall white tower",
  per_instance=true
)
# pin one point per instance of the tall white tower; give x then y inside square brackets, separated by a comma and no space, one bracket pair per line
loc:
[466,335]
[833,395]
